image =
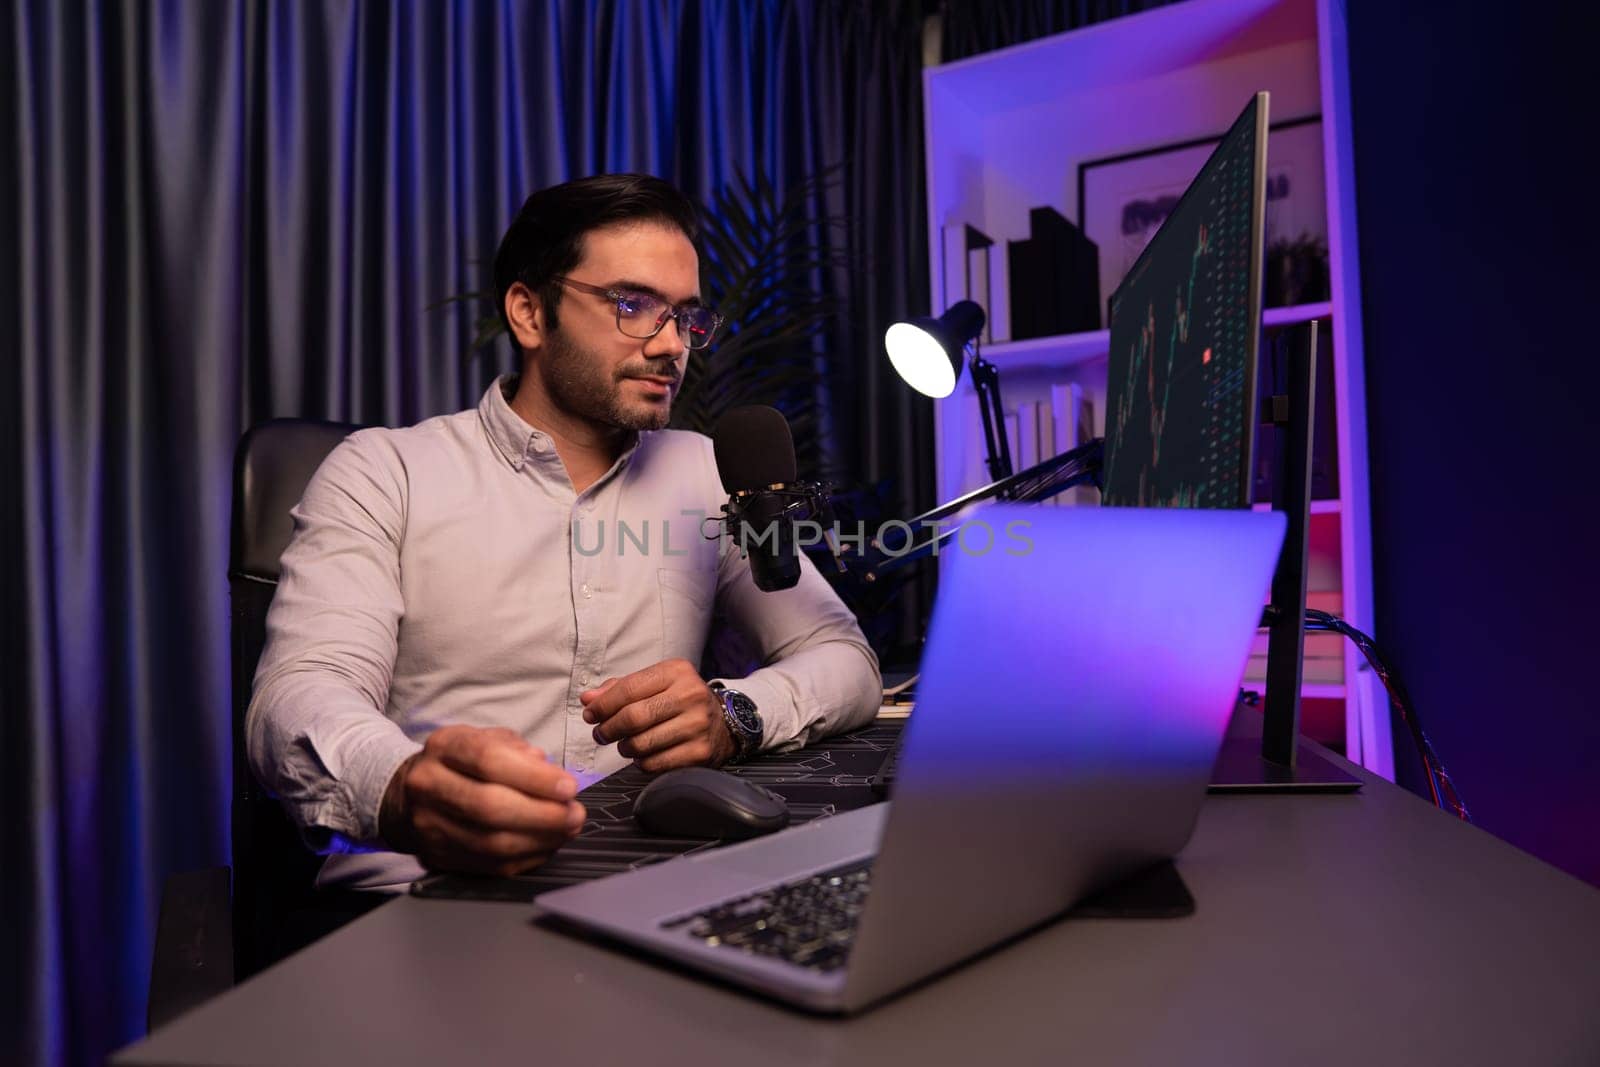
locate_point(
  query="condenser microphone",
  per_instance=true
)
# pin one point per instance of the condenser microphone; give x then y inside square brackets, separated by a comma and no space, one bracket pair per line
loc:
[755,460]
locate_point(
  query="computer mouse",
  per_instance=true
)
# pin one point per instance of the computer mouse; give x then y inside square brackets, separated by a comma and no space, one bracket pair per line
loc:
[701,802]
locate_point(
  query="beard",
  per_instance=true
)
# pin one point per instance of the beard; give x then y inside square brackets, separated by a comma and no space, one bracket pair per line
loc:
[579,383]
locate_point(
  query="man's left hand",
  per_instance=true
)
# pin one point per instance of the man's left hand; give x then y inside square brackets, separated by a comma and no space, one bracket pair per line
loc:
[661,717]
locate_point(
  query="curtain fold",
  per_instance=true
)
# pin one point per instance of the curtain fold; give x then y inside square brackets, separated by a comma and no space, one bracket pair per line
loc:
[219,212]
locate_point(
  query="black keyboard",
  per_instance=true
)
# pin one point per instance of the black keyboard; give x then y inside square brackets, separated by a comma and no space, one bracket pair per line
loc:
[811,923]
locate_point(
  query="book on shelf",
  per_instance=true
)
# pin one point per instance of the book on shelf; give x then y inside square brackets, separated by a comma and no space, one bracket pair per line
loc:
[1045,414]
[1054,277]
[1027,453]
[967,266]
[1088,430]
[1329,600]
[1027,267]
[1323,662]
[1066,401]
[974,471]
[1072,424]
[953,265]
[978,247]
[1075,270]
[998,308]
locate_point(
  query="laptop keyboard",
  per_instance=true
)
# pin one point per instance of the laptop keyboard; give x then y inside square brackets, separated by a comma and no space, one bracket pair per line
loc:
[811,923]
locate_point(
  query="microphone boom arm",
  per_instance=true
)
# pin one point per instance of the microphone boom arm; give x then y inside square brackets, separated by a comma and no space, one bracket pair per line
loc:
[1041,481]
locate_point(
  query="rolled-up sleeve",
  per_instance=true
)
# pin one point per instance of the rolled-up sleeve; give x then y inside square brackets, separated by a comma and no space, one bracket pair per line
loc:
[316,732]
[819,676]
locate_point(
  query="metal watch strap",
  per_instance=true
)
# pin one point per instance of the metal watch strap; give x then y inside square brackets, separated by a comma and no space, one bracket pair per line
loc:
[729,720]
[743,744]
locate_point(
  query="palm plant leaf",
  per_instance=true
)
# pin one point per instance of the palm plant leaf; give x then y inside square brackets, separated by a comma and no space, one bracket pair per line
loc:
[767,258]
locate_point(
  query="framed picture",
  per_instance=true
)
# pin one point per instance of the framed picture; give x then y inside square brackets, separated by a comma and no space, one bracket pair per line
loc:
[1123,200]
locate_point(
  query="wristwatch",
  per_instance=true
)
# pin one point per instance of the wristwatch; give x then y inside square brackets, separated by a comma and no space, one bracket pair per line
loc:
[744,721]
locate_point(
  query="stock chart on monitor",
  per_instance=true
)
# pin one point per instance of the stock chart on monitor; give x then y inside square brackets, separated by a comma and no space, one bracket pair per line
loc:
[1185,324]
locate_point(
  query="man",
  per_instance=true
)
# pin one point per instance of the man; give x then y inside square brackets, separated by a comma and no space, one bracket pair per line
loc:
[477,611]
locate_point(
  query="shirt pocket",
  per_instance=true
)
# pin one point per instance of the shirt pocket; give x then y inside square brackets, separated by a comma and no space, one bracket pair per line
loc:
[686,598]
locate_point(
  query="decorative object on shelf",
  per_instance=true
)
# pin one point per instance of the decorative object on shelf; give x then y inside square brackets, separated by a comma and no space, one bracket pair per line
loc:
[968,270]
[1054,278]
[1124,199]
[1296,271]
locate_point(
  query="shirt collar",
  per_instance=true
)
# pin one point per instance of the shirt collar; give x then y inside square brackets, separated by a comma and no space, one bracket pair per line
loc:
[514,439]
[511,437]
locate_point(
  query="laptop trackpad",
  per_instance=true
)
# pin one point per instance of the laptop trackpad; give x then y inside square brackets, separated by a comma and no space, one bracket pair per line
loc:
[829,842]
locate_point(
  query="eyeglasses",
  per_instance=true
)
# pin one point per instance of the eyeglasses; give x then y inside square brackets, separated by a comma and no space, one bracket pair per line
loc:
[641,315]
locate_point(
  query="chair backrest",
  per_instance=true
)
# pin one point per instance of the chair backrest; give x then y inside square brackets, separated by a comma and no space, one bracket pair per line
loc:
[272,868]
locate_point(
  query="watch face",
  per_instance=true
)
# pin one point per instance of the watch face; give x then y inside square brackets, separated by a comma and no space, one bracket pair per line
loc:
[744,713]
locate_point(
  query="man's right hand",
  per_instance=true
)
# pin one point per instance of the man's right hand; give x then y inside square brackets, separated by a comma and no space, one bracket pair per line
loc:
[480,801]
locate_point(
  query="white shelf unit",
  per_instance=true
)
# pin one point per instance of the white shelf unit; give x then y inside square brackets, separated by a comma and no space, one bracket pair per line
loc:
[1068,350]
[1006,131]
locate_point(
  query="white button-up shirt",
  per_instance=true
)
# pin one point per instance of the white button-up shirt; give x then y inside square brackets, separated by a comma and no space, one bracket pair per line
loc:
[448,573]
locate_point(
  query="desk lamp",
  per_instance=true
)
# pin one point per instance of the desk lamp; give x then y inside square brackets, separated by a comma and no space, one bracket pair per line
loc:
[928,353]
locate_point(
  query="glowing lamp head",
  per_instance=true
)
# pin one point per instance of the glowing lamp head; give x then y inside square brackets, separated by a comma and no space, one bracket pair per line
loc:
[920,359]
[928,352]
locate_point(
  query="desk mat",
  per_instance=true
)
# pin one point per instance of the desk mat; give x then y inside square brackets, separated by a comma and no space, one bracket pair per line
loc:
[817,781]
[831,776]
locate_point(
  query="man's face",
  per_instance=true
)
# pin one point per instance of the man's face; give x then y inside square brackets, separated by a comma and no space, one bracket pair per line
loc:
[589,367]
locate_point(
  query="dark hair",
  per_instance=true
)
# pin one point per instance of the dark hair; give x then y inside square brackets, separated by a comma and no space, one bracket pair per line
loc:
[545,240]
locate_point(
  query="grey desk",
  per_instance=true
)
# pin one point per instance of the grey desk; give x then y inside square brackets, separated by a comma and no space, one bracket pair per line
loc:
[1363,929]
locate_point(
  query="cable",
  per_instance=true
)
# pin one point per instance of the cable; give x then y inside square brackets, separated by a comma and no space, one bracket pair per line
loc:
[1440,787]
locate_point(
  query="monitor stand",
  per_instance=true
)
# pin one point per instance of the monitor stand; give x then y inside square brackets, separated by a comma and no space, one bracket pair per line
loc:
[1241,768]
[1281,762]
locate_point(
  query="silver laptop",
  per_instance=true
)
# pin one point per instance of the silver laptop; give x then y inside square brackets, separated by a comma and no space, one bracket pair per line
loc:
[1076,685]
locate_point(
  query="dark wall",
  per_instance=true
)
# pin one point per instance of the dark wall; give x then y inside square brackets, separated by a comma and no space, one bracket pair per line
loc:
[1477,195]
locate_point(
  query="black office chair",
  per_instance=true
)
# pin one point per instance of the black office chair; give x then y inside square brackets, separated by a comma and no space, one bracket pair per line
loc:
[210,934]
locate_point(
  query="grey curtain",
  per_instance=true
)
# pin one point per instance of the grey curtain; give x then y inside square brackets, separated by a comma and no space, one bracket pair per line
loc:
[218,212]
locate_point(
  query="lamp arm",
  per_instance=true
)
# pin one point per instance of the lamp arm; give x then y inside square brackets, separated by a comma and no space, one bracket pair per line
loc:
[1080,466]
[997,446]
